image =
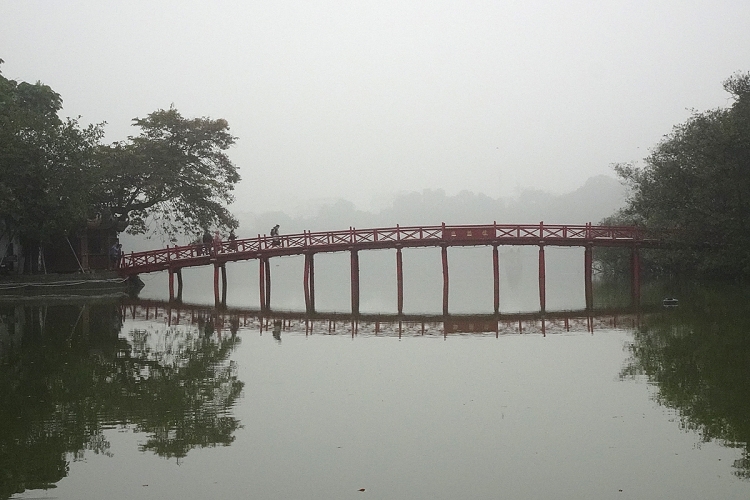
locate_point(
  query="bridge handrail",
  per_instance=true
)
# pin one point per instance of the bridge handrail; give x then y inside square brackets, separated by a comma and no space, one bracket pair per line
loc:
[397,235]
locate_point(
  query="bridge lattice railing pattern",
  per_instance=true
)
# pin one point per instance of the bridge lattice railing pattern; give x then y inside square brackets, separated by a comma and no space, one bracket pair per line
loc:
[392,237]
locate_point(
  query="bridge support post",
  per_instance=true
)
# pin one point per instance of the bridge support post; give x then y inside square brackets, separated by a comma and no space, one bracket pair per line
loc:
[542,280]
[635,286]
[261,283]
[496,278]
[355,282]
[309,282]
[171,284]
[399,281]
[444,254]
[262,262]
[217,300]
[267,273]
[224,285]
[588,277]
[178,272]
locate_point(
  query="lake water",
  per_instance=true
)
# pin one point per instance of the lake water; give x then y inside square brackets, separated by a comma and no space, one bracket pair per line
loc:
[99,401]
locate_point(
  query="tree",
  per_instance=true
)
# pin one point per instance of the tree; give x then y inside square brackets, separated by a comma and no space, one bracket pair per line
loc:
[44,163]
[56,175]
[175,174]
[693,189]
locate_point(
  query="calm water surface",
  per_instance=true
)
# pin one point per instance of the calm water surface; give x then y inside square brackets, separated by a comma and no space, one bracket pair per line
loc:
[97,403]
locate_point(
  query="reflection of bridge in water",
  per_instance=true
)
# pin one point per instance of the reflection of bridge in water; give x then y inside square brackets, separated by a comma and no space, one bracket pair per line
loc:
[231,320]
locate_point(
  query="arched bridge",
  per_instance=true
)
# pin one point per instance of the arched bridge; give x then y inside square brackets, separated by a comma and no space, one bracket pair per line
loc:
[307,243]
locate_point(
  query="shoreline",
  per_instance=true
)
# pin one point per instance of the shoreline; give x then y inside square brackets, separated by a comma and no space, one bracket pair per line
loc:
[55,285]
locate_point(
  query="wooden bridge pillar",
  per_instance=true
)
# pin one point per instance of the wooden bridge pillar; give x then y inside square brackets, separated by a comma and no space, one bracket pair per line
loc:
[171,284]
[588,277]
[224,285]
[172,273]
[178,272]
[496,278]
[542,281]
[635,286]
[444,254]
[262,284]
[309,282]
[265,283]
[267,269]
[220,299]
[355,281]
[399,281]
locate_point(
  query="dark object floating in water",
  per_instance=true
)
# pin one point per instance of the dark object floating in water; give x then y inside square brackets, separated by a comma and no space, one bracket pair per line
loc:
[670,302]
[361,489]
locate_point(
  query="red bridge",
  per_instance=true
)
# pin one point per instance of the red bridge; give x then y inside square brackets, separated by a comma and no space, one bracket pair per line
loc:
[173,259]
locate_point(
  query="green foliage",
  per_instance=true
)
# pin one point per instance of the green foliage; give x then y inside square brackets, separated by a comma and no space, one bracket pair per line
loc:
[175,176]
[67,375]
[698,356]
[44,162]
[693,189]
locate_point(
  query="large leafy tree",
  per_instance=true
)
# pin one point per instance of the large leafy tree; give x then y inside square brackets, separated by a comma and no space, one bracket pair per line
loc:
[45,163]
[693,189]
[55,175]
[175,175]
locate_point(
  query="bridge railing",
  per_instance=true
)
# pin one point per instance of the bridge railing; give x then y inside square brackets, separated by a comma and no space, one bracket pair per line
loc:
[320,241]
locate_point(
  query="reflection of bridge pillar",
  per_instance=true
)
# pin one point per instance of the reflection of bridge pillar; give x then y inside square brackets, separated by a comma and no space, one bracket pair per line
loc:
[399,281]
[635,286]
[542,285]
[496,276]
[588,277]
[444,253]
[309,282]
[355,282]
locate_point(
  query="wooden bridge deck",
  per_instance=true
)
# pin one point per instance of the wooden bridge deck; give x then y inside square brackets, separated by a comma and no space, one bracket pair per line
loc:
[383,238]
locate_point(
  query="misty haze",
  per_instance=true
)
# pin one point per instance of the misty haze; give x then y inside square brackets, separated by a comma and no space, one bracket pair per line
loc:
[374,250]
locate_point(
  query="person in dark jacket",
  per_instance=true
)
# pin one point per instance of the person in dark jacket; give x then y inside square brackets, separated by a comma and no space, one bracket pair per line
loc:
[207,241]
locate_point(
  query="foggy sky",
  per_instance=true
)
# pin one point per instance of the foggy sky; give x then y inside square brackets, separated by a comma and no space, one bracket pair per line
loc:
[363,99]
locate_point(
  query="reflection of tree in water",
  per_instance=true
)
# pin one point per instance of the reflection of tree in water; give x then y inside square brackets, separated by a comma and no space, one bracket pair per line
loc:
[66,375]
[698,355]
[180,389]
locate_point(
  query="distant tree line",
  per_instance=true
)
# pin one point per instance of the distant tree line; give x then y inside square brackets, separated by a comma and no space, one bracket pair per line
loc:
[694,191]
[56,175]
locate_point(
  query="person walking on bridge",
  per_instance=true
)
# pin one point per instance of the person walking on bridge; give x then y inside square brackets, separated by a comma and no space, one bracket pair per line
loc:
[275,235]
[217,242]
[232,241]
[207,240]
